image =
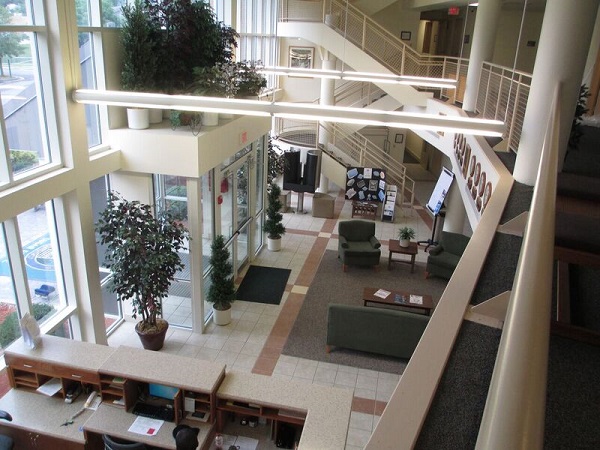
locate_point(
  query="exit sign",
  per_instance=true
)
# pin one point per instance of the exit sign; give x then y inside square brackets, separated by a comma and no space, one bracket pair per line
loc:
[454,11]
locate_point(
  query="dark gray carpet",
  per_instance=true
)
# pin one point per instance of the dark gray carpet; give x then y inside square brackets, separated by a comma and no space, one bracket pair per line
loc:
[499,269]
[518,202]
[584,288]
[455,414]
[181,289]
[263,285]
[332,285]
[573,396]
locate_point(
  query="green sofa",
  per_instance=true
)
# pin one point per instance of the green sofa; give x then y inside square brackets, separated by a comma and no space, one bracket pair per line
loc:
[375,330]
[357,244]
[444,257]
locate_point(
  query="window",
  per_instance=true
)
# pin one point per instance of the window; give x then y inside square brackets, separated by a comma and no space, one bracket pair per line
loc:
[9,308]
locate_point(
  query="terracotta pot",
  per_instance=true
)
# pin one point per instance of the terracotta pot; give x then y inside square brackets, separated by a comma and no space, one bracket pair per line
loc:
[153,341]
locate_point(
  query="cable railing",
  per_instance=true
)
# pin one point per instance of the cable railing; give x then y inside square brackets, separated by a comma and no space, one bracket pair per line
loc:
[502,95]
[502,92]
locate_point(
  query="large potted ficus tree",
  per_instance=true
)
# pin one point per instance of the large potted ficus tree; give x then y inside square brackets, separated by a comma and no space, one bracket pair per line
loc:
[273,225]
[142,252]
[221,292]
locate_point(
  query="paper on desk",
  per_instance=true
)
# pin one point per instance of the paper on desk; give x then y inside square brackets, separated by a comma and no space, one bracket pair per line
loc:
[145,426]
[189,404]
[246,443]
[416,299]
[50,387]
[381,293]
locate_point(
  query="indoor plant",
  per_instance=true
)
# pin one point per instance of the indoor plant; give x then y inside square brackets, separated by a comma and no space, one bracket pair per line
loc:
[273,226]
[405,234]
[221,292]
[142,254]
[139,59]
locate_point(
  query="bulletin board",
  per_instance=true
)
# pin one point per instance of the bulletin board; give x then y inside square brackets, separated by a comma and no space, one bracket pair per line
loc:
[365,184]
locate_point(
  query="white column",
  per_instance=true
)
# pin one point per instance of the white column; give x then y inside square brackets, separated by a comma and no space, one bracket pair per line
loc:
[327,98]
[484,38]
[455,211]
[561,56]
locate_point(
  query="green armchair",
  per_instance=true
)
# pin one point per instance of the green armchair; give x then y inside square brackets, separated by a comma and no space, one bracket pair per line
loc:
[357,244]
[444,257]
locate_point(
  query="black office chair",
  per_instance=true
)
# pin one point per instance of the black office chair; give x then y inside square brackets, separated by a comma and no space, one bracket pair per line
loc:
[6,442]
[111,443]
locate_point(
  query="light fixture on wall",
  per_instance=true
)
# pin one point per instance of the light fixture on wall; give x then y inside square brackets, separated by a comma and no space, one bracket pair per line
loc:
[368,77]
[302,111]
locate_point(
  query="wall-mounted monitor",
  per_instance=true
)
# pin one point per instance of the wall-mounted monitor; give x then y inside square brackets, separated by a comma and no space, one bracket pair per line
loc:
[159,390]
[440,191]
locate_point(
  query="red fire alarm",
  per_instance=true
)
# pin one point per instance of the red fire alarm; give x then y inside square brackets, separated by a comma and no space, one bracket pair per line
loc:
[220,199]
[224,185]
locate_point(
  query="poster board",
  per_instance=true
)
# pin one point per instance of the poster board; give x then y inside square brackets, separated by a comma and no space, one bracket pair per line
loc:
[365,184]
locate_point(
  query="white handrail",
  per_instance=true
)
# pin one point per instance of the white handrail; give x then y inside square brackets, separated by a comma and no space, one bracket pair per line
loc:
[516,405]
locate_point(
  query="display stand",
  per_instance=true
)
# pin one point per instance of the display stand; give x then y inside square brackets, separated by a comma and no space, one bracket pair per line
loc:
[432,241]
[389,206]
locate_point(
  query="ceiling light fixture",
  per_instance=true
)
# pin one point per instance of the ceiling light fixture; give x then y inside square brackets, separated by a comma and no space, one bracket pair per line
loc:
[304,111]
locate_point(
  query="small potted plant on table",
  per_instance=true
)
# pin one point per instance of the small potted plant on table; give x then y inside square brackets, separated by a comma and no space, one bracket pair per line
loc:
[142,254]
[405,234]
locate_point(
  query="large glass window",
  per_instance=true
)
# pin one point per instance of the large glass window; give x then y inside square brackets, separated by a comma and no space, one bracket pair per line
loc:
[23,109]
[88,79]
[171,196]
[9,308]
[39,240]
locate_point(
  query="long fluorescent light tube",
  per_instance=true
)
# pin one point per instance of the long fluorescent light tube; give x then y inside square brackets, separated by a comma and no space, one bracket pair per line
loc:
[399,119]
[368,77]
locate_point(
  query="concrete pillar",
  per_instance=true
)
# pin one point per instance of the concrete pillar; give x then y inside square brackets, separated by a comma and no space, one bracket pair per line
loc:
[455,211]
[327,98]
[561,57]
[484,38]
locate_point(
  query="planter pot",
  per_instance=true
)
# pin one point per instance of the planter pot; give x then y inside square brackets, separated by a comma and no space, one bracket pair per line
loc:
[156,115]
[210,119]
[154,341]
[404,242]
[274,245]
[222,317]
[226,116]
[138,118]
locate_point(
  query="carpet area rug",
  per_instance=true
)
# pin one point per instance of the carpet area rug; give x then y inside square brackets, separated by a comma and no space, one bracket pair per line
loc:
[332,285]
[263,285]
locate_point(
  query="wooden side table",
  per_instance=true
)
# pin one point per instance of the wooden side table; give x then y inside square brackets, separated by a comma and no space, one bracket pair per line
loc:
[365,209]
[411,251]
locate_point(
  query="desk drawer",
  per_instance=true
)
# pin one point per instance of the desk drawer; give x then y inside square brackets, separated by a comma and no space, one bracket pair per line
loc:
[71,373]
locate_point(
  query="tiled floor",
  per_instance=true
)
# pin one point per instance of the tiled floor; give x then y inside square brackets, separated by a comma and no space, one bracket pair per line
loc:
[253,341]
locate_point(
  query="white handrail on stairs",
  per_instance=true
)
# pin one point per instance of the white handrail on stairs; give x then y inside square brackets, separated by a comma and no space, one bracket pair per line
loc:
[515,410]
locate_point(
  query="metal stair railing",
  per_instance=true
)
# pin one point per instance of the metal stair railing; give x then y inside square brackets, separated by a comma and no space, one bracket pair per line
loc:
[355,93]
[367,154]
[354,147]
[502,92]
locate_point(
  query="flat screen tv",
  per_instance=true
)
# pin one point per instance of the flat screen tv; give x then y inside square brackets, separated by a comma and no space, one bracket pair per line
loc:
[438,195]
[159,390]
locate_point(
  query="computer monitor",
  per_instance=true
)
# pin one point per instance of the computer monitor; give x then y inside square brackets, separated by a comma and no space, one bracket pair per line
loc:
[159,390]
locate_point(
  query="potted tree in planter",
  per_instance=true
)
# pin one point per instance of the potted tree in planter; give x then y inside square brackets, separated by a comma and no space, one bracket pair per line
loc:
[139,59]
[142,254]
[405,234]
[221,292]
[273,226]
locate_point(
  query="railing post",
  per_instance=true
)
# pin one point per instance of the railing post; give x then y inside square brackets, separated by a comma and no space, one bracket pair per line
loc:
[364,33]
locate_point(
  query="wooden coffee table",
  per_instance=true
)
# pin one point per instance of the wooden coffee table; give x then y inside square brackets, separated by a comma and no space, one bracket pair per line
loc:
[404,300]
[411,251]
